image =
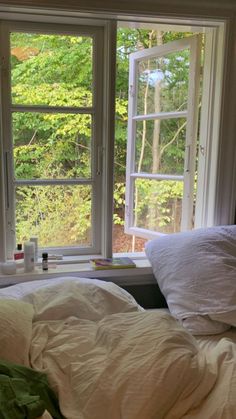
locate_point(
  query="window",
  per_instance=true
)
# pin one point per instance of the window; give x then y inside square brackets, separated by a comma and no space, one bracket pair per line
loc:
[52,87]
[57,124]
[162,136]
[174,97]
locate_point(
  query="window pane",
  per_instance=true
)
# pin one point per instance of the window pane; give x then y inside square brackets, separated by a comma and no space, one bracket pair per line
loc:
[57,215]
[55,70]
[160,146]
[162,83]
[48,146]
[158,205]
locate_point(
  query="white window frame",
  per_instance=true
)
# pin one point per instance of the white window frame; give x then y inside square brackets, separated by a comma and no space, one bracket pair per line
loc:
[218,100]
[96,112]
[192,43]
[208,191]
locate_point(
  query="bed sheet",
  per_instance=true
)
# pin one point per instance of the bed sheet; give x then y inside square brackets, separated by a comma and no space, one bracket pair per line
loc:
[208,342]
[133,364]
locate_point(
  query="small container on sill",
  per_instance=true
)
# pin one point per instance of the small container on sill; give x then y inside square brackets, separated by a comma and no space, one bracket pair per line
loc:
[8,268]
[34,239]
[19,253]
[45,261]
[29,261]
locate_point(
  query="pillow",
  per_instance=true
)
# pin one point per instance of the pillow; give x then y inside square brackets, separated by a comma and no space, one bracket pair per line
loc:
[15,330]
[59,298]
[196,272]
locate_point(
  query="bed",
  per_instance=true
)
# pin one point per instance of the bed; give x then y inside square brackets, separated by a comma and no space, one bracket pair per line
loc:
[105,357]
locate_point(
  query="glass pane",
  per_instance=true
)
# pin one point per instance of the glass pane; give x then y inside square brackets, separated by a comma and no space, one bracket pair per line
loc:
[158,205]
[48,146]
[160,146]
[57,215]
[162,83]
[55,70]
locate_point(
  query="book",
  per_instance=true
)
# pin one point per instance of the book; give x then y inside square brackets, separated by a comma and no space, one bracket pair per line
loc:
[112,263]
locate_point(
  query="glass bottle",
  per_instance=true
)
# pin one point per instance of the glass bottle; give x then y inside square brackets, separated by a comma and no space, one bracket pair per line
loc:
[45,261]
[19,253]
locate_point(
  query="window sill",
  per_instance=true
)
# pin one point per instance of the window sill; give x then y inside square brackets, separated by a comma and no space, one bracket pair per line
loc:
[82,259]
[141,274]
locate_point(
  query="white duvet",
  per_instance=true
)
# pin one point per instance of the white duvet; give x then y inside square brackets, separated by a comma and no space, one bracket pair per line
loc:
[133,364]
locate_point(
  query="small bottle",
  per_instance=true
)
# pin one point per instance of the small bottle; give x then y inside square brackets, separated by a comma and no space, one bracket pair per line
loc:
[19,253]
[29,256]
[34,239]
[44,261]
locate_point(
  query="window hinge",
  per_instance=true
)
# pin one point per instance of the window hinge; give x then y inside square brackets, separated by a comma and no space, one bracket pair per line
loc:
[202,150]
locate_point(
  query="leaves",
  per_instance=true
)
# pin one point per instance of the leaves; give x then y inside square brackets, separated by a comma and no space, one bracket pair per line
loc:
[57,70]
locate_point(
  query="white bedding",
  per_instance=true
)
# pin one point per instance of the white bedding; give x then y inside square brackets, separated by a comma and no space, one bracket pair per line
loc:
[196,271]
[209,342]
[127,365]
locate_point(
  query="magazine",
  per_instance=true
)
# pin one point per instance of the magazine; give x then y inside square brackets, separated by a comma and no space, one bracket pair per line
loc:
[112,263]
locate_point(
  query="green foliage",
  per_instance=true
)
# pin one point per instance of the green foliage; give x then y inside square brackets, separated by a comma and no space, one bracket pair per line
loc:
[119,203]
[158,204]
[58,71]
[51,59]
[59,216]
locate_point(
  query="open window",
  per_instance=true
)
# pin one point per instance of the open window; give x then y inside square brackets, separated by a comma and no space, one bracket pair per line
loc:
[59,100]
[162,137]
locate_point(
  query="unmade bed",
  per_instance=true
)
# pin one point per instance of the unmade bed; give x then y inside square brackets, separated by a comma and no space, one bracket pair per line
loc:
[105,357]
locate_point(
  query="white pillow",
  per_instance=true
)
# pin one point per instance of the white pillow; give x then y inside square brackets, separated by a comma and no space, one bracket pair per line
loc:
[15,330]
[196,272]
[57,299]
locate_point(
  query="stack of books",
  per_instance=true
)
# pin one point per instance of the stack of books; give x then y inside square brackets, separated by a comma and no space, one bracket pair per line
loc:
[112,263]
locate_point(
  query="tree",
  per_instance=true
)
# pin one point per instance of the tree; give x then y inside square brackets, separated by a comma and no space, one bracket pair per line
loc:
[57,70]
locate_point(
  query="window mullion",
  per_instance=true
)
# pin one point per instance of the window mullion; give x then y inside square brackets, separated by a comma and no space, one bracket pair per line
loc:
[161,115]
[130,161]
[41,182]
[6,142]
[107,134]
[52,109]
[156,176]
